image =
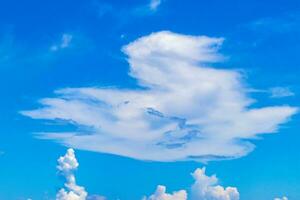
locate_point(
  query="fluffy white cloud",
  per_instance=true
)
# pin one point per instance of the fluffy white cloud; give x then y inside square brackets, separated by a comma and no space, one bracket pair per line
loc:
[182,109]
[279,92]
[160,194]
[206,188]
[64,43]
[283,198]
[66,165]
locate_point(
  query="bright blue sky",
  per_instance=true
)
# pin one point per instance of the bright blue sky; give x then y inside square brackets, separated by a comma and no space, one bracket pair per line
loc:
[49,45]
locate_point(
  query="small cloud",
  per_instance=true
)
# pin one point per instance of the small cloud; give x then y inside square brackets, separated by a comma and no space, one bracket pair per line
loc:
[96,197]
[283,24]
[154,4]
[65,42]
[160,194]
[280,92]
[103,8]
[283,198]
[67,164]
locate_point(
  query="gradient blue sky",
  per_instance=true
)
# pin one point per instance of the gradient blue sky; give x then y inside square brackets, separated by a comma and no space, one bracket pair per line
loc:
[262,40]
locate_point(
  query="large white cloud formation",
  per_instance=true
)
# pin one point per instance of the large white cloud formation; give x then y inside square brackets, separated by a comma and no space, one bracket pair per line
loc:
[66,166]
[182,109]
[204,188]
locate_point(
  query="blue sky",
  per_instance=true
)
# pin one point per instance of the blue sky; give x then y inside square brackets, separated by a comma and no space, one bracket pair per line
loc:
[110,77]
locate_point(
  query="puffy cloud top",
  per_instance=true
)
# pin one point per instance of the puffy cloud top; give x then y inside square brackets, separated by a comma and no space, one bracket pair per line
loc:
[204,188]
[181,109]
[160,194]
[66,165]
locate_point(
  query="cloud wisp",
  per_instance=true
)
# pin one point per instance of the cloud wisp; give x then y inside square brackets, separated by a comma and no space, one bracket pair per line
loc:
[181,109]
[65,42]
[283,198]
[153,5]
[280,92]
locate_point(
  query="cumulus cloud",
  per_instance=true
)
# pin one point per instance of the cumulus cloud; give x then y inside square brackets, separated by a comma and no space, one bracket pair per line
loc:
[181,109]
[65,42]
[280,92]
[204,188]
[66,166]
[283,198]
[160,194]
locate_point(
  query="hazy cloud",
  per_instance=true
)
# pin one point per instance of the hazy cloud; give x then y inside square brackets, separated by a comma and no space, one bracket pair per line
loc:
[283,198]
[65,42]
[154,4]
[280,92]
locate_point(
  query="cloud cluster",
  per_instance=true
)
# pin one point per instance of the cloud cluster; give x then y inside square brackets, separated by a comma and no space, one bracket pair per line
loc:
[204,188]
[181,109]
[66,166]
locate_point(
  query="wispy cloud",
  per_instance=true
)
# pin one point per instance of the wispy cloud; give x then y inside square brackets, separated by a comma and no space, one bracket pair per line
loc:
[181,110]
[64,42]
[280,92]
[153,5]
[283,198]
[286,23]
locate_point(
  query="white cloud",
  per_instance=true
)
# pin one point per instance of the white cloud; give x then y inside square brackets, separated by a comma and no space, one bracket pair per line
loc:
[206,188]
[160,194]
[65,42]
[153,5]
[182,109]
[280,92]
[66,165]
[283,198]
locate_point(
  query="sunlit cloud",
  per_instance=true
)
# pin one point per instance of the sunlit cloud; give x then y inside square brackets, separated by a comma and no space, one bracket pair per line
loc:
[181,109]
